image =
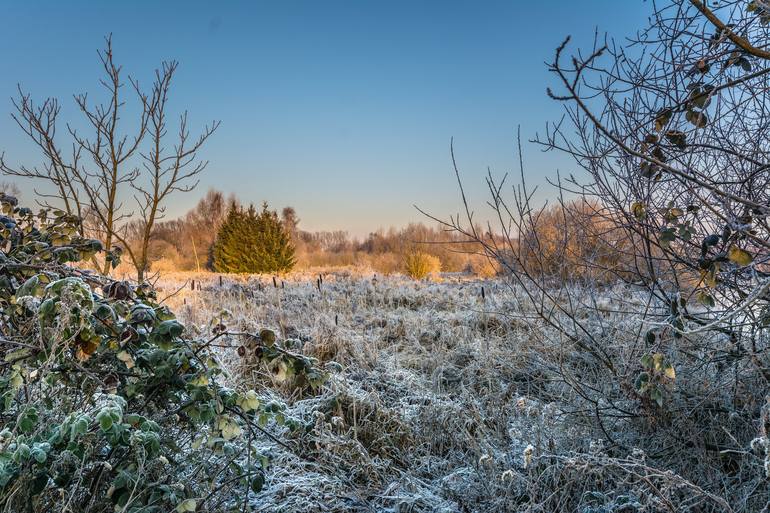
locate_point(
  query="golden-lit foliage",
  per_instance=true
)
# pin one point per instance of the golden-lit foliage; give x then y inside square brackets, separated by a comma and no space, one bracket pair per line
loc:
[184,244]
[419,265]
[579,239]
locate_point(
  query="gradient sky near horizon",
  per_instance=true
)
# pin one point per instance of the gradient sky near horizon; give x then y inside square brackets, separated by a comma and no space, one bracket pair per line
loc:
[342,109]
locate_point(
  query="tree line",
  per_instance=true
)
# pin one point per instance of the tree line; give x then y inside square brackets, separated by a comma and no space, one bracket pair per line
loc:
[207,238]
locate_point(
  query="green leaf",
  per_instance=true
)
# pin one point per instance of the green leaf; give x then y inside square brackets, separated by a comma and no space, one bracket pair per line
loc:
[705,299]
[23,453]
[80,427]
[642,382]
[710,240]
[650,337]
[657,396]
[171,328]
[31,287]
[257,482]
[666,237]
[249,401]
[39,455]
[187,505]
[142,313]
[229,428]
[685,232]
[105,420]
[105,313]
[28,420]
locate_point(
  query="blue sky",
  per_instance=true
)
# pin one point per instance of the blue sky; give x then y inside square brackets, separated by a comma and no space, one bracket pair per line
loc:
[342,109]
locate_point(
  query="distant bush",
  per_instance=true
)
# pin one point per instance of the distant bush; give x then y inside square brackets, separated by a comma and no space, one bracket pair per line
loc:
[251,242]
[480,266]
[419,265]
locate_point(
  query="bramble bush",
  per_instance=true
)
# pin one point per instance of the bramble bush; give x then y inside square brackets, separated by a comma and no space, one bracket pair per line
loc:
[105,403]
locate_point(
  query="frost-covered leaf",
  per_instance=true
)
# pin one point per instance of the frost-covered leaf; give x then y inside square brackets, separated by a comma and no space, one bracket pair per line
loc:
[126,358]
[249,401]
[187,506]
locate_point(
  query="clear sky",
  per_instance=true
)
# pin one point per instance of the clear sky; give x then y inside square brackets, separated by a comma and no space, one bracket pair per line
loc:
[342,109]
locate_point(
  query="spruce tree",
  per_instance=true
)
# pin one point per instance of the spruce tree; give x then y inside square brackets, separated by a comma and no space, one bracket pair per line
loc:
[227,249]
[251,242]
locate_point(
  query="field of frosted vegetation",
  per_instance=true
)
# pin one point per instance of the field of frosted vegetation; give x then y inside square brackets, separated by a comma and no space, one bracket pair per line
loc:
[605,352]
[424,403]
[437,401]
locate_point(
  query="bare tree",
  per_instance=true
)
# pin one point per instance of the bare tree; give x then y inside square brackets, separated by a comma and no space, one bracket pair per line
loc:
[192,235]
[671,131]
[168,171]
[675,142]
[290,221]
[103,163]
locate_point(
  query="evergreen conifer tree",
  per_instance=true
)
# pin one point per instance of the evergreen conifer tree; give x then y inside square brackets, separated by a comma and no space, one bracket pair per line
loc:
[252,242]
[227,251]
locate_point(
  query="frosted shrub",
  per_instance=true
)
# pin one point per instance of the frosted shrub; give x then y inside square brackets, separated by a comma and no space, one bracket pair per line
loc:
[419,265]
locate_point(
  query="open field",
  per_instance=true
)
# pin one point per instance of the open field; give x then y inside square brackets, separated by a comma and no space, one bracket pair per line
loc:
[365,258]
[429,410]
[441,403]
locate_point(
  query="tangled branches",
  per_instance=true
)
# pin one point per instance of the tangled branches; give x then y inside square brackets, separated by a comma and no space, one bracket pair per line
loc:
[670,133]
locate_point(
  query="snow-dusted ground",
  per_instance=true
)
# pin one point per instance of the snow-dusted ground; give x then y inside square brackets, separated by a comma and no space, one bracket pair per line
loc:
[430,409]
[441,397]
